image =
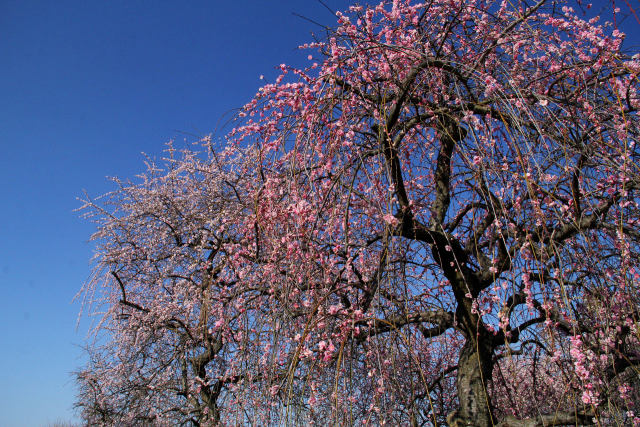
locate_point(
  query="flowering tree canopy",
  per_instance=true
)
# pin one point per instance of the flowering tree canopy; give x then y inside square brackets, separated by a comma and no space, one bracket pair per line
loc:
[436,223]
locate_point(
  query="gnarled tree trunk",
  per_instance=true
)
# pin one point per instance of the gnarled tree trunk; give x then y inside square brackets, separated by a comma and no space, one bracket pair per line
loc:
[474,371]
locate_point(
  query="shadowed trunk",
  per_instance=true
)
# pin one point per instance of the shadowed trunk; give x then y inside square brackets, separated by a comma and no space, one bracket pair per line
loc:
[474,370]
[475,362]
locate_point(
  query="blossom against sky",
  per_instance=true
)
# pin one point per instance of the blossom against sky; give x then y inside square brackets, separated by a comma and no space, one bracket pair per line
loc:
[85,88]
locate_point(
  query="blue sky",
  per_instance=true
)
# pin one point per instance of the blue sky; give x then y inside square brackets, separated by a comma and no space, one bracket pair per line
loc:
[85,87]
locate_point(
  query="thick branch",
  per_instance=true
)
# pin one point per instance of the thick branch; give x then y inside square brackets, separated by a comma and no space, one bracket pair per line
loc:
[393,165]
[442,319]
[124,301]
[556,419]
[451,132]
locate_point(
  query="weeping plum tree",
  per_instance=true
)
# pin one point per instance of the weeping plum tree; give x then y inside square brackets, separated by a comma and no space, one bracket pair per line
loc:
[436,223]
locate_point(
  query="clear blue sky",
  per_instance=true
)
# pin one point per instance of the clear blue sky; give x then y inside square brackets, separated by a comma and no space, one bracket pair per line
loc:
[85,87]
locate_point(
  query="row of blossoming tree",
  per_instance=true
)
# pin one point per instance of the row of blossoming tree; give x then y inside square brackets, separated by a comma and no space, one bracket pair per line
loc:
[437,223]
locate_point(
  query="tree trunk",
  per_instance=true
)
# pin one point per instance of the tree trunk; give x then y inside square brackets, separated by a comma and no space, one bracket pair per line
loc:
[474,372]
